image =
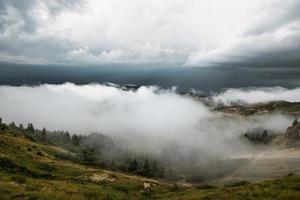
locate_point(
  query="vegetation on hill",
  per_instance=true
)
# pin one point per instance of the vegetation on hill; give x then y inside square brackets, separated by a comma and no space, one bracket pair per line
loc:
[94,149]
[100,150]
[34,165]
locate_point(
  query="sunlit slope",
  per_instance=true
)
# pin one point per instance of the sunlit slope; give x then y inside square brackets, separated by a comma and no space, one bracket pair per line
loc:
[29,170]
[272,163]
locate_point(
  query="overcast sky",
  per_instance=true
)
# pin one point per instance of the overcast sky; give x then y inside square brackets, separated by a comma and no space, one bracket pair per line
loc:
[202,33]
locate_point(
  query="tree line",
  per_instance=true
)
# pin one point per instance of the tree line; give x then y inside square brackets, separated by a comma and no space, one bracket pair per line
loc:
[94,149]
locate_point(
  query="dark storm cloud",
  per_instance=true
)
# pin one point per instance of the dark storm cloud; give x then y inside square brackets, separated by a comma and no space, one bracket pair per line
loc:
[265,53]
[63,5]
[283,17]
[22,12]
[203,79]
[89,32]
[273,42]
[46,49]
[18,37]
[276,15]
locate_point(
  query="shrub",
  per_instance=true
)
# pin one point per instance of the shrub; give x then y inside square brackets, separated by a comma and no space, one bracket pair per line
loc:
[46,167]
[19,178]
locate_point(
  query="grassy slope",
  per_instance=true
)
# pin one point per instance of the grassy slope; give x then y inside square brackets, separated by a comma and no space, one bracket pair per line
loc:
[31,171]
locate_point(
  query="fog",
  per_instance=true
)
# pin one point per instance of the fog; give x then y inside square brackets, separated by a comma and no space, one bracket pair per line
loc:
[257,95]
[146,120]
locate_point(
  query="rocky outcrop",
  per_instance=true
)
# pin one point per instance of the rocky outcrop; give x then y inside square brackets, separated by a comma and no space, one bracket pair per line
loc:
[293,132]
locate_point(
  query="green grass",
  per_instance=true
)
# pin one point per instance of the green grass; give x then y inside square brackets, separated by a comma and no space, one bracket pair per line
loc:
[29,170]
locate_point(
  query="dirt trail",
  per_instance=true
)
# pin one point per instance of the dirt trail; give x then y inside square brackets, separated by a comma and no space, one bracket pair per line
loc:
[268,164]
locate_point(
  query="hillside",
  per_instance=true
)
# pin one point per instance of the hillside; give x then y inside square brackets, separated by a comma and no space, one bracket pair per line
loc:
[32,170]
[284,107]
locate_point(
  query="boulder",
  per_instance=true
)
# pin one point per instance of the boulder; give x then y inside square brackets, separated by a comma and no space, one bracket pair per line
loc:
[293,132]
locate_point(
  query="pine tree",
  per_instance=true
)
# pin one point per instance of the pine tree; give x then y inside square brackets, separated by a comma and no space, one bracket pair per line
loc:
[146,171]
[162,171]
[154,168]
[44,135]
[75,140]
[12,125]
[88,156]
[1,125]
[30,128]
[67,138]
[21,127]
[133,166]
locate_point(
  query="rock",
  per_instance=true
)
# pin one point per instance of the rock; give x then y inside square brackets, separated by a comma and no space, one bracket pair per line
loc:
[99,178]
[147,186]
[293,132]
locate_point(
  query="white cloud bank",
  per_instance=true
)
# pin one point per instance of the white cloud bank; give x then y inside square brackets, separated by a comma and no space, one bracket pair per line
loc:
[148,119]
[257,95]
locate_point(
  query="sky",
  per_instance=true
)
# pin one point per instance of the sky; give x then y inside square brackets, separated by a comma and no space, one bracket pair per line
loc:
[182,33]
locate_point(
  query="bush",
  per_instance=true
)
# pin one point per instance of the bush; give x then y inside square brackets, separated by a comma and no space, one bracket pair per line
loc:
[236,183]
[19,178]
[46,167]
[176,188]
[205,187]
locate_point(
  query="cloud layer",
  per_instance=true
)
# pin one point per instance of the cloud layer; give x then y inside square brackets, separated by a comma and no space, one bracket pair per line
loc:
[146,120]
[259,33]
[257,95]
